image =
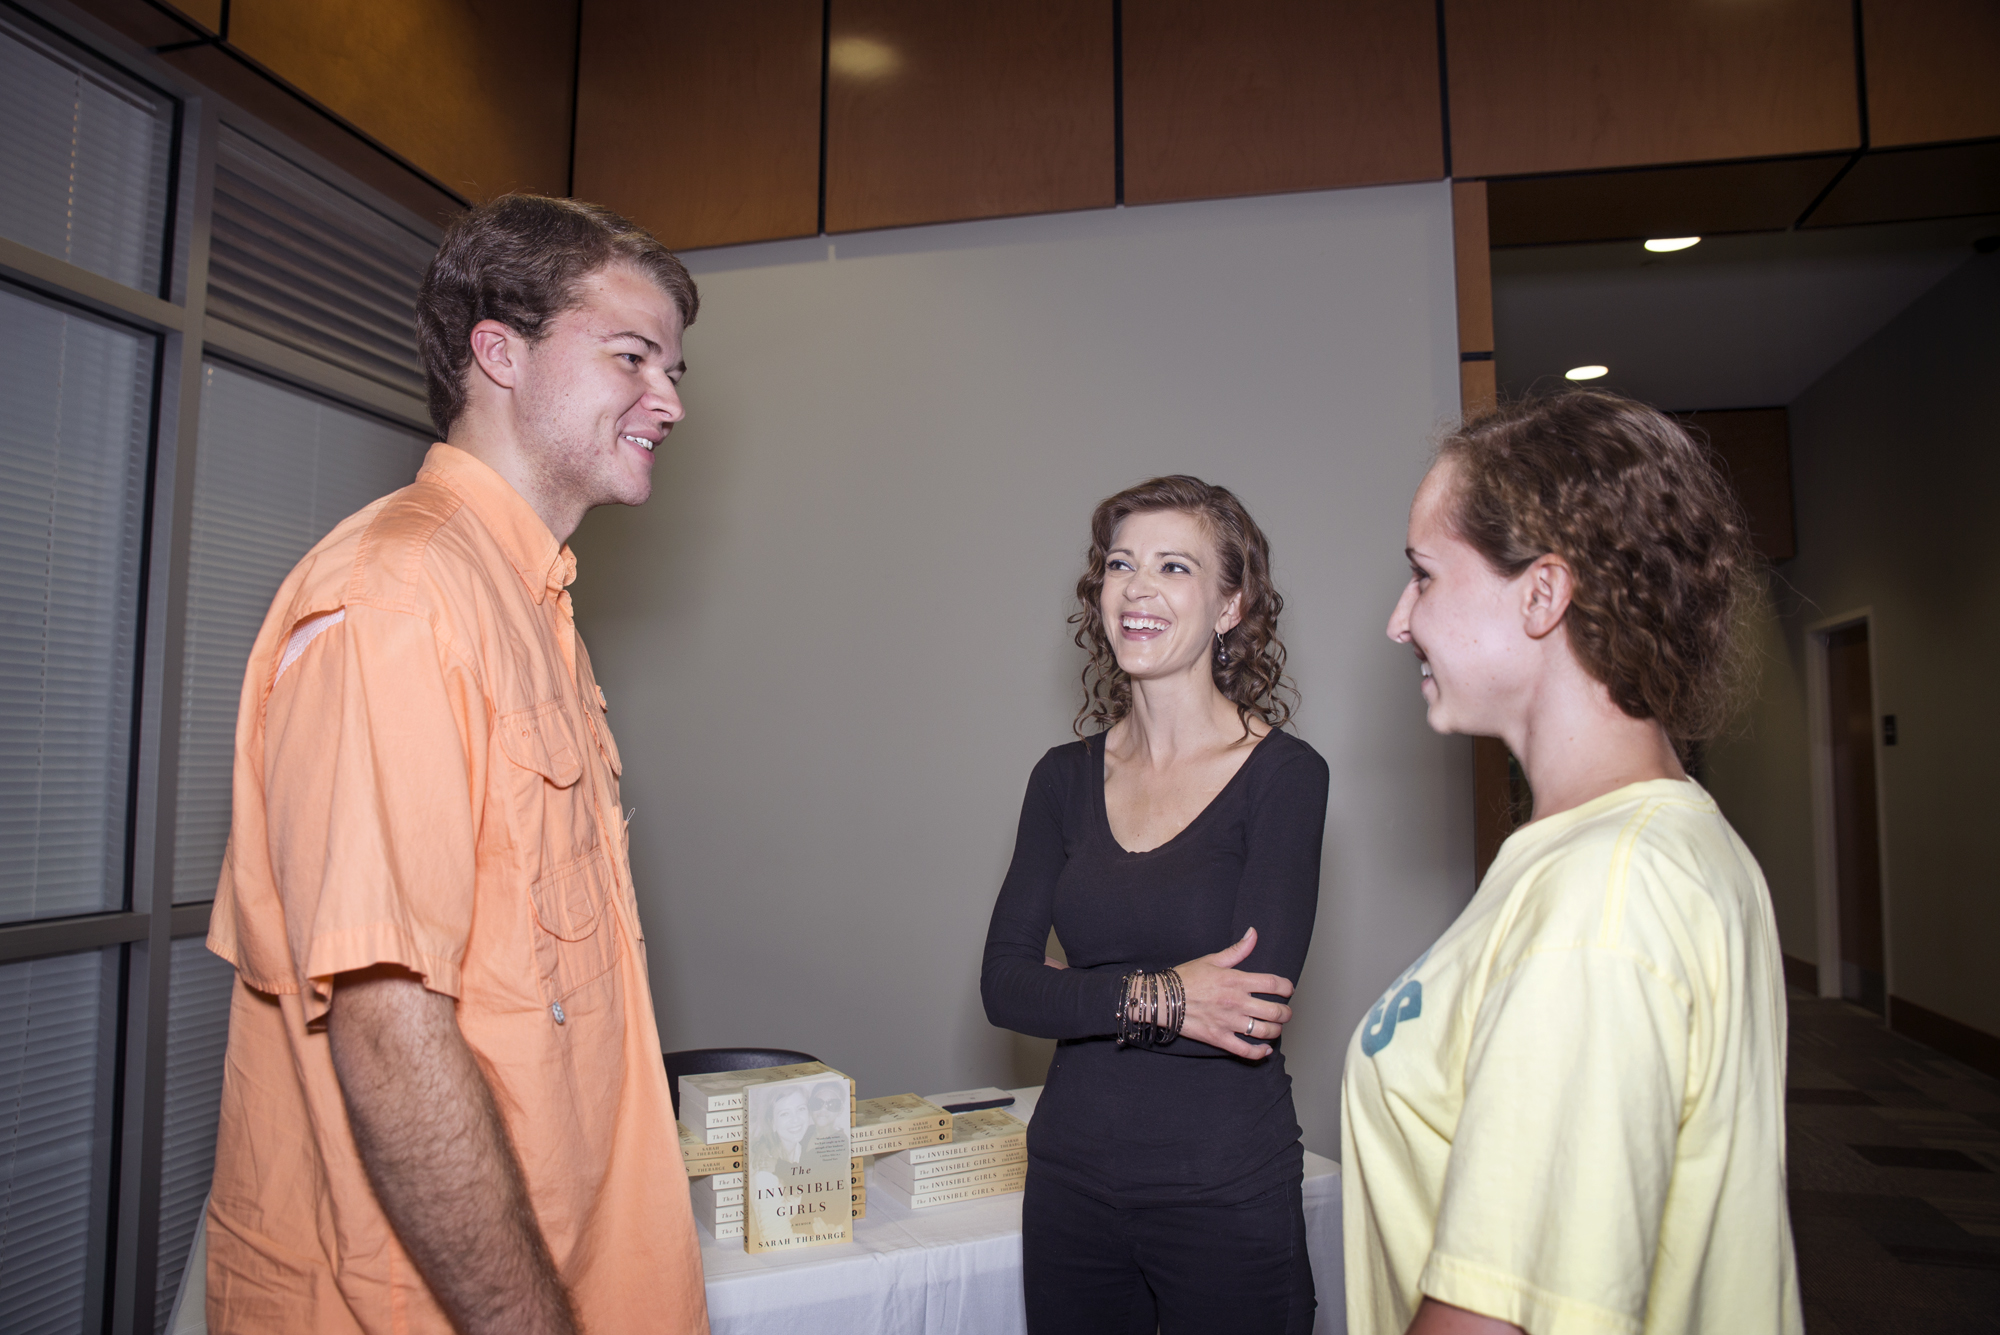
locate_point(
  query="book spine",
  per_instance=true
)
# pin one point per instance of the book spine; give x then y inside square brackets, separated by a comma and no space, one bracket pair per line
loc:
[878,1145]
[694,1103]
[727,1117]
[950,1182]
[925,1199]
[962,1149]
[908,1174]
[721,1232]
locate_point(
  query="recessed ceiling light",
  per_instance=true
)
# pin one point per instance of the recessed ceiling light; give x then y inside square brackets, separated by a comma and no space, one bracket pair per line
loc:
[1586,372]
[862,58]
[1660,245]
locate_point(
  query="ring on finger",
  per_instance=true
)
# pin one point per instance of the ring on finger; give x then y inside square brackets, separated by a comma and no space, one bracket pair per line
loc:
[1250,1027]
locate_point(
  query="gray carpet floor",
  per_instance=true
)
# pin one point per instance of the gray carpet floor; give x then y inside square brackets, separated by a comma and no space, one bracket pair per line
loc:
[1895,1179]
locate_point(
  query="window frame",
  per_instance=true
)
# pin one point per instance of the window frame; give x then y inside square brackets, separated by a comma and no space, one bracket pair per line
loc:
[126,1212]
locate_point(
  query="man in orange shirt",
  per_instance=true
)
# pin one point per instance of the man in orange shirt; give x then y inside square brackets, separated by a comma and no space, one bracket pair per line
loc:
[443,1103]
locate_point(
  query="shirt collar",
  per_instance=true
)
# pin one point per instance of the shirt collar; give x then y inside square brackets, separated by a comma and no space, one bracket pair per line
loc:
[544,564]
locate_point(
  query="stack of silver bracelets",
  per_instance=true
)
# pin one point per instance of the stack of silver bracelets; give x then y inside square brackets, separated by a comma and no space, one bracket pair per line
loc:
[1156,994]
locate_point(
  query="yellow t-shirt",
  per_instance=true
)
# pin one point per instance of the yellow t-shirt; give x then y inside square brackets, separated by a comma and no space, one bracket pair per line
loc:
[1569,1114]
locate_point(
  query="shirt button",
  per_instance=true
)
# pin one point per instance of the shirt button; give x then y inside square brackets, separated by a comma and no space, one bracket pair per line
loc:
[556,1010]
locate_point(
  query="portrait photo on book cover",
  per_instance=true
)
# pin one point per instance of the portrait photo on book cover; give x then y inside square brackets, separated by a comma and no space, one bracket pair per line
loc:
[799,1160]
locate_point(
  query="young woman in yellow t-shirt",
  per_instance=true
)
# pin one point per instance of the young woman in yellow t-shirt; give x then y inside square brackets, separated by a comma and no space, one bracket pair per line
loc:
[1568,1114]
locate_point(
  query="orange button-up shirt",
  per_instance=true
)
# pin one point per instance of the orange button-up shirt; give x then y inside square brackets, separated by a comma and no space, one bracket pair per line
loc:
[424,777]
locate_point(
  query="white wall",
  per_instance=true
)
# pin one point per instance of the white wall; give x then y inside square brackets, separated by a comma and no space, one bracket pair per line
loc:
[835,640]
[1896,465]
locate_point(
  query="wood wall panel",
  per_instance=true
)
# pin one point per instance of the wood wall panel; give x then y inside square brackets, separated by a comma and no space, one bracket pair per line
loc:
[1570,85]
[1264,96]
[720,142]
[975,109]
[1756,449]
[476,94]
[1933,70]
[1493,817]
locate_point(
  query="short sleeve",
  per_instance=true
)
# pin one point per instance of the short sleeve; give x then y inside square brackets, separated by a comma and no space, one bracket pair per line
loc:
[1558,1176]
[369,775]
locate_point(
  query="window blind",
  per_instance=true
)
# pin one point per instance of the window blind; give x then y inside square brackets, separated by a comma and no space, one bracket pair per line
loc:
[53,1015]
[197,1033]
[73,446]
[277,468]
[83,157]
[308,265]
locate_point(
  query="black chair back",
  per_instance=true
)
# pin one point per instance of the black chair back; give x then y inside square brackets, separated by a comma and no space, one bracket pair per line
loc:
[701,1061]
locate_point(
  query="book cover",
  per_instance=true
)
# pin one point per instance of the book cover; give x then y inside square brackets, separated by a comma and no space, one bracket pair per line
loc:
[971,1133]
[799,1163]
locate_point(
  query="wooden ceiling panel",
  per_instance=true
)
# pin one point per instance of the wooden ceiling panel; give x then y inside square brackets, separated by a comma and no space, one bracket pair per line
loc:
[1265,96]
[1667,201]
[1954,181]
[477,95]
[1566,85]
[718,142]
[970,110]
[1933,70]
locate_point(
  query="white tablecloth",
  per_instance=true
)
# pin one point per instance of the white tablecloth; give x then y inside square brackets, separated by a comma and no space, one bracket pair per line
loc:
[947,1270]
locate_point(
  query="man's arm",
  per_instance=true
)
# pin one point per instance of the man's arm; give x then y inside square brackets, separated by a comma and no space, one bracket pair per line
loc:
[438,1157]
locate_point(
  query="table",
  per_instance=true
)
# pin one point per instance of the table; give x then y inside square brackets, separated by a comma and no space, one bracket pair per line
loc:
[947,1270]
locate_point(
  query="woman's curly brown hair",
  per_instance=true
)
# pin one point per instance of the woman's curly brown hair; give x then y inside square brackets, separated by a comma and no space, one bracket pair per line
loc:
[1651,530]
[1251,670]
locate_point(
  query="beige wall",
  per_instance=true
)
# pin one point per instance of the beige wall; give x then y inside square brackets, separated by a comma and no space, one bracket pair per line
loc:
[834,642]
[1896,459]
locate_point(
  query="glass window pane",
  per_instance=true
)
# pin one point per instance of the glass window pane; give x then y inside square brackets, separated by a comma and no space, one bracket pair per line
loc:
[83,157]
[297,259]
[276,470]
[197,1032]
[75,396]
[54,1015]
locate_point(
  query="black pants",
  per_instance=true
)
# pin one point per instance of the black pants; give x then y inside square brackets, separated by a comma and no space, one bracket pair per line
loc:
[1095,1269]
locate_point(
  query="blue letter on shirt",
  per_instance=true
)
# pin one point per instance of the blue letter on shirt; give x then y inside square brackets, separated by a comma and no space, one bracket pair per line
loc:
[1389,1012]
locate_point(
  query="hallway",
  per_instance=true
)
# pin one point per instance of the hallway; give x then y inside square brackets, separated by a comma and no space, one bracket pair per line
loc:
[1895,1179]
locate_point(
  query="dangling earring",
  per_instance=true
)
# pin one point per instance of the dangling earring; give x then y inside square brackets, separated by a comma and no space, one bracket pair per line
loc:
[1221,651]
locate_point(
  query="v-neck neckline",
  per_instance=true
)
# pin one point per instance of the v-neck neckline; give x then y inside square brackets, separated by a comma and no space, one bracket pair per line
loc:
[1104,811]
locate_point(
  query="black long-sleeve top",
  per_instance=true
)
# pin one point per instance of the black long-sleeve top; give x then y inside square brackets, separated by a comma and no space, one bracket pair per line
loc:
[1183,1123]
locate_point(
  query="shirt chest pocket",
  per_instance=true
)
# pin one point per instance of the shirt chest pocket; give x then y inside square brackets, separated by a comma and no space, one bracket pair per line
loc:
[553,827]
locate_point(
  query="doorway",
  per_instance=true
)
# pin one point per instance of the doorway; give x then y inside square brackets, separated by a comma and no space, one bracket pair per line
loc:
[1857,854]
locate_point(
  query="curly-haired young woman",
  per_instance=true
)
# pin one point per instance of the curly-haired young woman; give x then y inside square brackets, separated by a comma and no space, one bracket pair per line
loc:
[1568,1114]
[1175,850]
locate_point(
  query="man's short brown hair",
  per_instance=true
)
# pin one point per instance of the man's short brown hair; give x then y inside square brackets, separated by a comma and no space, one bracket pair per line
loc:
[520,260]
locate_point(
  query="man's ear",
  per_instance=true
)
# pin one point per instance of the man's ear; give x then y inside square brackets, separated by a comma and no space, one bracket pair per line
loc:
[1548,587]
[496,351]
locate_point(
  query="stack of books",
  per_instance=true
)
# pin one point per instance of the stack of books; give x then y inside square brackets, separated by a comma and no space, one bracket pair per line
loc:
[713,1106]
[898,1122]
[702,1158]
[857,1187]
[718,1204]
[986,1156]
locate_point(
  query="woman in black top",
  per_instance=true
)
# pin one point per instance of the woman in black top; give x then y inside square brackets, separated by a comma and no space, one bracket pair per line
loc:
[1176,854]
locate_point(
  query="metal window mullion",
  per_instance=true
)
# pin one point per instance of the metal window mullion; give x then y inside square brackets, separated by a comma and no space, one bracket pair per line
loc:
[157,753]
